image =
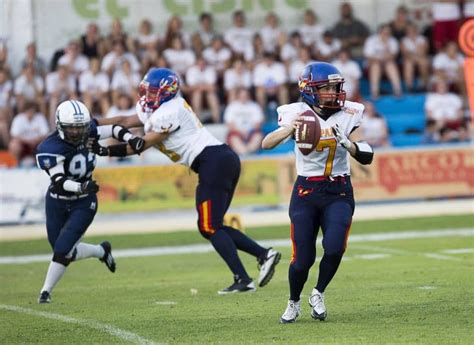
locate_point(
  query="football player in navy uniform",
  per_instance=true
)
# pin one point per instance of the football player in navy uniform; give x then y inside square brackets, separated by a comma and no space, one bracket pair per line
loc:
[322,195]
[71,201]
[172,127]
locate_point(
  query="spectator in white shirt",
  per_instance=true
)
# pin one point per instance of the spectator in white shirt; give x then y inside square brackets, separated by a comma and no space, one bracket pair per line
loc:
[201,79]
[294,71]
[449,66]
[351,72]
[217,55]
[374,127]
[327,48]
[244,119]
[112,61]
[381,50]
[271,33]
[205,32]
[269,78]
[414,49]
[94,87]
[147,41]
[290,49]
[60,86]
[28,129]
[311,32]
[178,57]
[6,90]
[124,106]
[239,37]
[33,58]
[444,107]
[72,57]
[235,78]
[125,81]
[29,86]
[174,28]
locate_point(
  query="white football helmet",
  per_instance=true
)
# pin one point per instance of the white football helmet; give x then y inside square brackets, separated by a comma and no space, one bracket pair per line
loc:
[73,121]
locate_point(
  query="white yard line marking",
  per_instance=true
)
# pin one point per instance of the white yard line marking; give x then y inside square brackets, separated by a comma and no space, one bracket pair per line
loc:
[206,248]
[166,303]
[374,256]
[427,287]
[458,251]
[112,330]
[441,257]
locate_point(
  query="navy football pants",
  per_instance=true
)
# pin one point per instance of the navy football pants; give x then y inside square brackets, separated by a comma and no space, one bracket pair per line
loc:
[328,205]
[68,220]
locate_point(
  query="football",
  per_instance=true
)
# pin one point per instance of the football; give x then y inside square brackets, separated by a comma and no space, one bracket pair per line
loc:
[308,133]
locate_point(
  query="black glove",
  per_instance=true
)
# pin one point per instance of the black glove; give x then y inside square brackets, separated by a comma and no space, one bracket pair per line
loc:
[94,147]
[137,144]
[89,187]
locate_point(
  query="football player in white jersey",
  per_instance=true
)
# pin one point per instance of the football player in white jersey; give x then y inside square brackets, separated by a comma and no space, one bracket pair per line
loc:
[172,127]
[322,195]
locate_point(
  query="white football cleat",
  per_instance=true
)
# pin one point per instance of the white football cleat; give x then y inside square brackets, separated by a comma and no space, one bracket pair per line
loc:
[316,302]
[267,266]
[292,311]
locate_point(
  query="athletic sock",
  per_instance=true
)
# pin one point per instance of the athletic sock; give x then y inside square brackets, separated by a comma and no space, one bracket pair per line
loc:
[297,278]
[327,269]
[245,243]
[85,250]
[226,248]
[54,274]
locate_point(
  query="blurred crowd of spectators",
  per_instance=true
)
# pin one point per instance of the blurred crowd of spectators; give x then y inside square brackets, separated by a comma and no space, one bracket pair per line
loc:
[241,75]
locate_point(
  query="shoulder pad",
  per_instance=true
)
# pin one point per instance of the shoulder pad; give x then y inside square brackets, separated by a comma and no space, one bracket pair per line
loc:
[164,120]
[353,108]
[46,161]
[288,112]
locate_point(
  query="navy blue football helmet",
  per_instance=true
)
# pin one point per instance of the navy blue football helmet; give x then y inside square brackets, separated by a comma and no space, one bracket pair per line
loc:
[313,82]
[158,86]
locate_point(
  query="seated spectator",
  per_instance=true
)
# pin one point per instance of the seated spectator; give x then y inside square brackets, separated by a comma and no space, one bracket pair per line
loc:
[269,78]
[125,81]
[236,77]
[112,61]
[449,66]
[258,51]
[117,34]
[374,127]
[60,86]
[381,50]
[94,87]
[431,134]
[174,28]
[201,79]
[294,71]
[446,16]
[311,32]
[28,129]
[6,91]
[147,40]
[414,49]
[33,58]
[206,32]
[351,31]
[77,62]
[4,57]
[444,107]
[271,33]
[244,119]
[92,43]
[290,49]
[351,72]
[239,36]
[178,57]
[400,23]
[123,106]
[29,86]
[218,55]
[327,48]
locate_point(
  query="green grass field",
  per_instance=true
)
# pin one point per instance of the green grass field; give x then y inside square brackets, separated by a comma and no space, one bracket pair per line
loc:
[418,290]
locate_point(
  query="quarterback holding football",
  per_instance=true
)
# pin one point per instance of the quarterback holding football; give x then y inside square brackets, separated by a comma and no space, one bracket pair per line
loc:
[324,126]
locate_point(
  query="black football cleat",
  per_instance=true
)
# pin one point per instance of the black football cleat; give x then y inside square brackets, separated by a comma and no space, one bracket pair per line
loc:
[239,285]
[44,297]
[108,259]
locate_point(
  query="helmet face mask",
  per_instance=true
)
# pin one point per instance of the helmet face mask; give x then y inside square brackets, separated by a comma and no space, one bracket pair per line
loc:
[321,84]
[157,87]
[73,122]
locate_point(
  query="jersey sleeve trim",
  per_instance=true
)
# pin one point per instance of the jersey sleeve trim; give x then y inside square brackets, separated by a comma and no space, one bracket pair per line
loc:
[46,161]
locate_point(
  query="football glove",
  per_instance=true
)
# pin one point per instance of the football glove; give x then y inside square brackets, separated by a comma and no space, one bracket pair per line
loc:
[341,137]
[137,144]
[94,147]
[89,187]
